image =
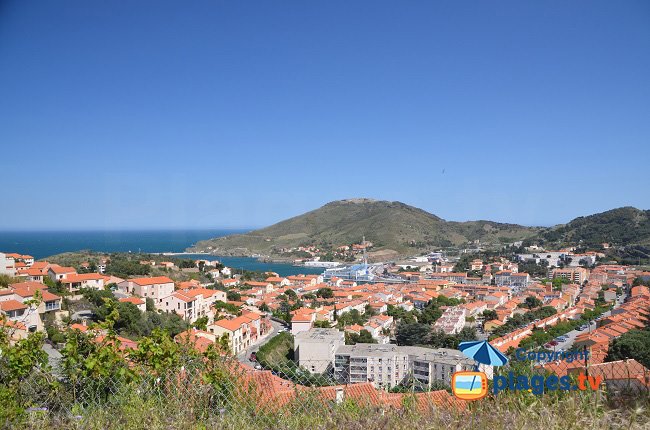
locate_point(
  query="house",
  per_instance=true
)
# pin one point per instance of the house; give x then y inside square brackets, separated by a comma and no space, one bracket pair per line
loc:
[24,291]
[156,288]
[58,273]
[32,274]
[238,331]
[230,282]
[74,282]
[137,302]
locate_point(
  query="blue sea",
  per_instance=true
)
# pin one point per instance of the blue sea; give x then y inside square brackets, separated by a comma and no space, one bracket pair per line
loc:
[42,244]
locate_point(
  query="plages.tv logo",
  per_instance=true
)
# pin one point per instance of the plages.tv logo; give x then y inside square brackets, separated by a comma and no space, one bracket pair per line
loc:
[468,385]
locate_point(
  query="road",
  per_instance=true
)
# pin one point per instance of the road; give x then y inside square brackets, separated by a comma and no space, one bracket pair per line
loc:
[243,356]
[567,344]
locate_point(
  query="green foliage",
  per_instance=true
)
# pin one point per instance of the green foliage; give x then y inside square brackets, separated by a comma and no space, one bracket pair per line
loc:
[127,265]
[401,315]
[228,307]
[233,296]
[489,315]
[364,336]
[534,269]
[325,293]
[412,333]
[352,317]
[127,319]
[622,226]
[531,303]
[201,323]
[159,352]
[322,324]
[633,344]
[519,320]
[6,280]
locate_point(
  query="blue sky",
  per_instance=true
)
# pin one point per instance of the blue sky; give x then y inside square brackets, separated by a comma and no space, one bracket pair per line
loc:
[121,114]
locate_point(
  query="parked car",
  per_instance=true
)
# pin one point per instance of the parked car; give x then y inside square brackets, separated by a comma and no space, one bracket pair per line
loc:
[253,357]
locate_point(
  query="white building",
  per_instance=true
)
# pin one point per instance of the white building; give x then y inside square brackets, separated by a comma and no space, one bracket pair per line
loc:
[156,288]
[387,366]
[7,265]
[452,320]
[314,349]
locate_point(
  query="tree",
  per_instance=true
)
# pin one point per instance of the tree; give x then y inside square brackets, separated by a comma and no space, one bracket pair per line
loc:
[531,302]
[150,305]
[201,323]
[411,334]
[489,315]
[233,296]
[264,307]
[364,336]
[633,344]
[325,293]
[322,324]
[291,294]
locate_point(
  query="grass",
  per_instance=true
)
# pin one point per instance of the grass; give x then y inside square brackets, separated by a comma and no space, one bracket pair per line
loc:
[508,411]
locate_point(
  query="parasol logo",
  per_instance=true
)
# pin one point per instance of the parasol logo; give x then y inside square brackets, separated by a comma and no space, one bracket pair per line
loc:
[474,385]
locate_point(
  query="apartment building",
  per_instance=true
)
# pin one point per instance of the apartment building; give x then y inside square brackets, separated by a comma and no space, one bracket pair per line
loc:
[576,275]
[387,366]
[512,279]
[191,304]
[314,349]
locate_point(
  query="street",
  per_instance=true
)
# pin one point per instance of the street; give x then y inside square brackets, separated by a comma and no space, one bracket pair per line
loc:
[567,344]
[244,356]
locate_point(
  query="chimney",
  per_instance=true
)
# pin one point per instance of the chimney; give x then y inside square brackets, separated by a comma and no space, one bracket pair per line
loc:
[340,395]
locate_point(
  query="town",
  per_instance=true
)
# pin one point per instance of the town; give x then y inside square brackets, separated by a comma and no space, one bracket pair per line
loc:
[390,326]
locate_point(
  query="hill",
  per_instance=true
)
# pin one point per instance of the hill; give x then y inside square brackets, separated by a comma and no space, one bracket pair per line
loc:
[621,227]
[393,227]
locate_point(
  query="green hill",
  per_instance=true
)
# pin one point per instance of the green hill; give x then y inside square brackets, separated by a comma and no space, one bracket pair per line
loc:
[622,227]
[393,227]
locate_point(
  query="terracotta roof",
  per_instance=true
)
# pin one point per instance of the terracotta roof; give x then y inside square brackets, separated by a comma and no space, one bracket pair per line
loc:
[134,300]
[12,305]
[151,281]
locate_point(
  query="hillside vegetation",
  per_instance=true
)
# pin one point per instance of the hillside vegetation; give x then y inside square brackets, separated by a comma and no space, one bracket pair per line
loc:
[622,226]
[388,225]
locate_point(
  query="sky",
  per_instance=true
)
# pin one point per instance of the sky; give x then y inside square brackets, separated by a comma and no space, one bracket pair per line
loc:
[168,114]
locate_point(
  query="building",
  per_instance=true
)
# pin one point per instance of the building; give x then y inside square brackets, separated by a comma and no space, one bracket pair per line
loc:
[387,366]
[452,320]
[302,320]
[314,349]
[512,279]
[191,304]
[238,331]
[59,273]
[7,265]
[156,288]
[137,302]
[577,275]
[74,282]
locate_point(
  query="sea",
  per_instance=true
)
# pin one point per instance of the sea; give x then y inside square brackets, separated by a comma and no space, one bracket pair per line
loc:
[42,244]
